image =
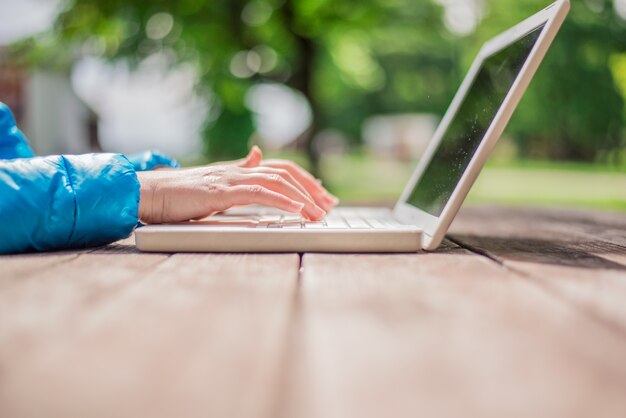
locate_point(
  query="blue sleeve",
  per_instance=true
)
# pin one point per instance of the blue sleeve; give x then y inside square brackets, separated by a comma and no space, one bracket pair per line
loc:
[66,201]
[150,160]
[13,143]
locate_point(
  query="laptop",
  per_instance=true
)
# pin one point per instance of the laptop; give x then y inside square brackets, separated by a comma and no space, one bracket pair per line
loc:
[474,122]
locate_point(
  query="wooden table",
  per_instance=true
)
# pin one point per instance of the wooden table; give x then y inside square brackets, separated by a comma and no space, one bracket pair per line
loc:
[521,314]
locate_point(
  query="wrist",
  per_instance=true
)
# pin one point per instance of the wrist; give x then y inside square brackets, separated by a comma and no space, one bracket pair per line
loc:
[147,197]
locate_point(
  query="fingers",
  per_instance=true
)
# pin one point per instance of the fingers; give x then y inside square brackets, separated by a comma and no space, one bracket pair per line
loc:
[258,195]
[287,179]
[285,175]
[293,174]
[278,184]
[253,159]
[320,195]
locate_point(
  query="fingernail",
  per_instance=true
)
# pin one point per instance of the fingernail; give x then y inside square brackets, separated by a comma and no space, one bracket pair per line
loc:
[298,207]
[326,206]
[318,212]
[332,199]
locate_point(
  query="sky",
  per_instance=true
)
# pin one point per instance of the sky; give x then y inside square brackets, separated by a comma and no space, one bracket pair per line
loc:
[21,18]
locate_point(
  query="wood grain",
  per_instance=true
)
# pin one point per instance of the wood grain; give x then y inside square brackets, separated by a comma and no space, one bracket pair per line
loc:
[526,318]
[444,335]
[19,267]
[578,256]
[130,335]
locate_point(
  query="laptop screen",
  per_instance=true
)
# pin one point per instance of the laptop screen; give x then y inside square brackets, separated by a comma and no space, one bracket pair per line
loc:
[470,124]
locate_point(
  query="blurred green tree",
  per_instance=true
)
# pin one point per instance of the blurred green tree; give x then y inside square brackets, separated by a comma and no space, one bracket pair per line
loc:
[356,58]
[349,58]
[574,109]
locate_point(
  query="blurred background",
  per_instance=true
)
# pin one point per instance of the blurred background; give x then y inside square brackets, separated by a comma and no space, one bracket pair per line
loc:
[351,89]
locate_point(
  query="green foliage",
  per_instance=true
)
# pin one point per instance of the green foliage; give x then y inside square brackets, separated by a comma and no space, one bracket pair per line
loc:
[573,110]
[234,129]
[349,58]
[355,58]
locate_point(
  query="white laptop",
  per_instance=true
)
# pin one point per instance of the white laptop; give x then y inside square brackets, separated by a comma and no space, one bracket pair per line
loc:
[468,132]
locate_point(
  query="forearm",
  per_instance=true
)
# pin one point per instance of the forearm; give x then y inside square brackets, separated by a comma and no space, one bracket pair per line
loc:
[66,202]
[150,202]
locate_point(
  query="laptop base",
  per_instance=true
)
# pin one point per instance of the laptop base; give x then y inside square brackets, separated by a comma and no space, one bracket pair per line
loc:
[233,233]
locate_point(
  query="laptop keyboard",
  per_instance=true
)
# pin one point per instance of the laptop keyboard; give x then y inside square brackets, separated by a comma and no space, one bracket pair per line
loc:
[344,219]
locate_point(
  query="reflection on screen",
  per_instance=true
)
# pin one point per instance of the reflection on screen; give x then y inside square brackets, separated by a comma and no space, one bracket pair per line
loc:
[470,124]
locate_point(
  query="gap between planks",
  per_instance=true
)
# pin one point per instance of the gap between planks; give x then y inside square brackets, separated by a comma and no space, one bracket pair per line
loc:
[603,320]
[229,334]
[442,335]
[564,252]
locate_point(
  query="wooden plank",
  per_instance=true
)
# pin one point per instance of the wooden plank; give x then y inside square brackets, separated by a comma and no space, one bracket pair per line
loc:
[130,335]
[444,335]
[574,255]
[599,233]
[18,267]
[40,316]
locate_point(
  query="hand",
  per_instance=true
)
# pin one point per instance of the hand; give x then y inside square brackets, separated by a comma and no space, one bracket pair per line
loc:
[313,187]
[181,195]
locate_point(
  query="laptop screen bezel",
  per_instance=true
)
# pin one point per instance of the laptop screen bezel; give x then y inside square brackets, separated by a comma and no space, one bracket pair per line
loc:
[435,227]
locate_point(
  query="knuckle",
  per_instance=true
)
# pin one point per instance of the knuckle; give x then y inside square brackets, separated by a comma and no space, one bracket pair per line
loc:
[255,189]
[217,190]
[275,178]
[216,171]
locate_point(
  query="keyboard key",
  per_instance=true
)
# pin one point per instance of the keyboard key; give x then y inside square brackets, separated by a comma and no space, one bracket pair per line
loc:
[292,225]
[228,223]
[393,224]
[335,223]
[376,224]
[292,218]
[315,225]
[270,219]
[356,223]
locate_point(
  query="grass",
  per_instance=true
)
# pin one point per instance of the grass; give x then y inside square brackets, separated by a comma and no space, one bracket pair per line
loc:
[361,178]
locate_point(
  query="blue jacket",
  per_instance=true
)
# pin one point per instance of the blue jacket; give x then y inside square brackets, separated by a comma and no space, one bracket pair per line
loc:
[65,201]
